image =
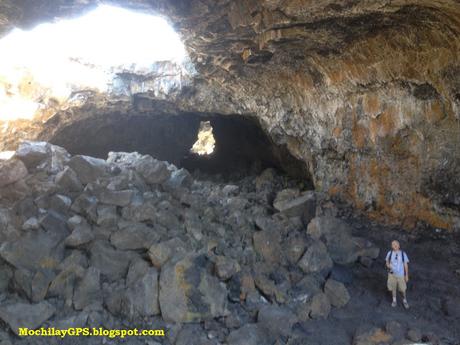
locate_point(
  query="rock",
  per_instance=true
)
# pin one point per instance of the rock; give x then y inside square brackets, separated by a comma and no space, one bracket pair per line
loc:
[320,306]
[40,283]
[451,306]
[42,156]
[293,204]
[316,259]
[86,206]
[230,190]
[153,171]
[68,180]
[134,236]
[32,153]
[64,283]
[88,169]
[336,234]
[342,274]
[372,336]
[188,293]
[88,290]
[107,215]
[306,288]
[5,276]
[141,297]
[60,203]
[160,253]
[415,335]
[82,234]
[112,263]
[137,269]
[294,247]
[115,197]
[366,248]
[192,334]
[226,267]
[276,321]
[337,293]
[31,224]
[55,224]
[180,178]
[25,315]
[76,257]
[33,251]
[250,334]
[11,171]
[366,261]
[268,245]
[395,330]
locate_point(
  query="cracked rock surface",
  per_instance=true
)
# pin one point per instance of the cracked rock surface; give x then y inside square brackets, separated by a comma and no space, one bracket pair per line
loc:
[210,262]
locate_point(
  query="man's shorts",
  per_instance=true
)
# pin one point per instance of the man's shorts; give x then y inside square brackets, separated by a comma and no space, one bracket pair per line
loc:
[395,282]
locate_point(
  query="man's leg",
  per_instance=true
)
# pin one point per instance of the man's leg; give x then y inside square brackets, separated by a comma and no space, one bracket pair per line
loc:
[402,287]
[392,285]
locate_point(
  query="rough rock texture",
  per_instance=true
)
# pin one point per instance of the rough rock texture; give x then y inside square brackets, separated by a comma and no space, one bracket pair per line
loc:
[208,262]
[365,93]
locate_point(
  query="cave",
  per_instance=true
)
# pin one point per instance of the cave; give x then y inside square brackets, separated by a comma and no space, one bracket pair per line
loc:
[241,145]
[244,172]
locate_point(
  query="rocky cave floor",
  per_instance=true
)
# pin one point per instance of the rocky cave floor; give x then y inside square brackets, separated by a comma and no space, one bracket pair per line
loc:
[133,242]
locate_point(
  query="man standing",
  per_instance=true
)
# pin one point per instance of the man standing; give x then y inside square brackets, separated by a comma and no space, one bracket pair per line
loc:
[398,272]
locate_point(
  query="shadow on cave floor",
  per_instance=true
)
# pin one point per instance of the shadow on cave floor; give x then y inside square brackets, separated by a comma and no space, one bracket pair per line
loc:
[241,146]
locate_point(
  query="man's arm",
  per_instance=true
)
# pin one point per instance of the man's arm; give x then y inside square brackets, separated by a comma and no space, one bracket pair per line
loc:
[406,271]
[387,260]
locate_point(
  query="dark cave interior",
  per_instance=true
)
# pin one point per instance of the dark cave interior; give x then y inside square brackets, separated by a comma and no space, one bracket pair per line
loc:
[241,147]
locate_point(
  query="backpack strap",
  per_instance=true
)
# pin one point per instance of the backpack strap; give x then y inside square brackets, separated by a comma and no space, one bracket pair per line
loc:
[403,255]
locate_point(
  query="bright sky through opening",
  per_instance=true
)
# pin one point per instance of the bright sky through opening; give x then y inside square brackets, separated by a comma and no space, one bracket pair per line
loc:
[80,52]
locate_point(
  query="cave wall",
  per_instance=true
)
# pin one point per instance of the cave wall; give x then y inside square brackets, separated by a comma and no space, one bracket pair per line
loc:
[367,94]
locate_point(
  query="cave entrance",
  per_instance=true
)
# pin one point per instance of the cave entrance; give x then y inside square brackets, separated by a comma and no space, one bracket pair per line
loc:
[232,146]
[43,66]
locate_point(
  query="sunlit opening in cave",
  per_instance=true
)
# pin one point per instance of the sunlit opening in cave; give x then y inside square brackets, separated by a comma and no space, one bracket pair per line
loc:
[205,143]
[54,59]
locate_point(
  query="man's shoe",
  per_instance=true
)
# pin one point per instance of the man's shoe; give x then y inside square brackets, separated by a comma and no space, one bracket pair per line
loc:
[406,305]
[394,304]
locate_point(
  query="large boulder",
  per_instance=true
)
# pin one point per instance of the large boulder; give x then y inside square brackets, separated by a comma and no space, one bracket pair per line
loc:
[88,169]
[114,197]
[267,244]
[371,336]
[112,263]
[316,259]
[33,251]
[337,293]
[133,236]
[42,156]
[337,235]
[188,291]
[320,306]
[142,295]
[249,334]
[32,153]
[276,321]
[68,180]
[23,315]
[152,170]
[295,204]
[11,171]
[88,290]
[139,298]
[161,252]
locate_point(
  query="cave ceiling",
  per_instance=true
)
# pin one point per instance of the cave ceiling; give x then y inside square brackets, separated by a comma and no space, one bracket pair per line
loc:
[366,93]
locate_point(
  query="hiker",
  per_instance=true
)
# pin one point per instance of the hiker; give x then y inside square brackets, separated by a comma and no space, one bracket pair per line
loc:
[398,272]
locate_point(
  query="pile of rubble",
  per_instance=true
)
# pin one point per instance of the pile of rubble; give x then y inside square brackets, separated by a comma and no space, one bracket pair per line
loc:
[135,242]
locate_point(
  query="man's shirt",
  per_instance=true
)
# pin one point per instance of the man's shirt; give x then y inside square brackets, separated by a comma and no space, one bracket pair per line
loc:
[396,262]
